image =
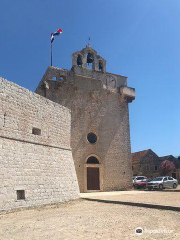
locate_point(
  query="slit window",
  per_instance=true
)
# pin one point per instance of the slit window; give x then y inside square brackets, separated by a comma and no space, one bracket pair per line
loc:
[20,194]
[36,131]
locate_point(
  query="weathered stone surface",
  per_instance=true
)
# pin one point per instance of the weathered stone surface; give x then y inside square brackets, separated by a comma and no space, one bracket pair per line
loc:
[97,105]
[42,165]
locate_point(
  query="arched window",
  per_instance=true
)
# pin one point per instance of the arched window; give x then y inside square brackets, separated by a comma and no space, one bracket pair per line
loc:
[79,61]
[92,160]
[101,66]
[90,60]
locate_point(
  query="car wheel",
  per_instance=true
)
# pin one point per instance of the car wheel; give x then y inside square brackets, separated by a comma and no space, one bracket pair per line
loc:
[160,187]
[174,185]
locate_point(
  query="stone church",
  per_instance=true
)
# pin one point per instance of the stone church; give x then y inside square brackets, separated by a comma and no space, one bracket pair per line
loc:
[100,135]
[72,134]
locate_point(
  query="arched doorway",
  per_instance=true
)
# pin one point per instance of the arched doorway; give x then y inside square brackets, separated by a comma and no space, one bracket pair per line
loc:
[93,173]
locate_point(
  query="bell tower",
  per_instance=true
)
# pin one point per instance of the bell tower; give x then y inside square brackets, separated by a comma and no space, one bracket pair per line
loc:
[89,59]
[100,135]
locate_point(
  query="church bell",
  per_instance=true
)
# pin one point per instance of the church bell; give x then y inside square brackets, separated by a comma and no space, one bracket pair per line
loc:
[90,58]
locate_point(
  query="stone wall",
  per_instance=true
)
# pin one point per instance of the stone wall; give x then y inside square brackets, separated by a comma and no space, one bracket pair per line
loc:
[41,165]
[94,109]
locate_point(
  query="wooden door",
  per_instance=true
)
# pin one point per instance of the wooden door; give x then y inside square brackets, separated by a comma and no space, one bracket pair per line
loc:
[93,178]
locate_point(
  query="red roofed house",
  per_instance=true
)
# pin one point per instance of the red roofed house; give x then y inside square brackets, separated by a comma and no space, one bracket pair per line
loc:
[145,163]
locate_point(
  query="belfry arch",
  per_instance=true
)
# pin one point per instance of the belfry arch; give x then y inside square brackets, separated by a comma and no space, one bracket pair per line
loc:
[88,58]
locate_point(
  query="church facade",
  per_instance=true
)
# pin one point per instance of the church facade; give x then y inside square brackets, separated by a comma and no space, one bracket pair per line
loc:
[100,134]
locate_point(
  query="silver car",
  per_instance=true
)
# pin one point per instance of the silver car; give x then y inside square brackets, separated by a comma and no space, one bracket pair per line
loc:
[162,183]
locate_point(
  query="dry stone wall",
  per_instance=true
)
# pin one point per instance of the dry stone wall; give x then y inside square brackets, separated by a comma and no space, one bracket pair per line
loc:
[35,154]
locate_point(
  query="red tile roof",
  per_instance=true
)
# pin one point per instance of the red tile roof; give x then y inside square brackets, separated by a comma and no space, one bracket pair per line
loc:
[137,156]
[166,157]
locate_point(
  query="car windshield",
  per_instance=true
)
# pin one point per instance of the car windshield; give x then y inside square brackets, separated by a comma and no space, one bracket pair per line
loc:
[157,179]
[140,178]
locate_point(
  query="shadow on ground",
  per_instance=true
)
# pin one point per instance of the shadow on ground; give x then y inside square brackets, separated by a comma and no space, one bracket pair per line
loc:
[165,190]
[144,205]
[157,190]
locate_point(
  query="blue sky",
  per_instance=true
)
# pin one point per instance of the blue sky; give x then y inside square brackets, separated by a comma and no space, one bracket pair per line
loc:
[139,39]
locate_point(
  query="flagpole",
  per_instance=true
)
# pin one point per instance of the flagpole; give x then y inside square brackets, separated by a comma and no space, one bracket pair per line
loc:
[59,31]
[51,53]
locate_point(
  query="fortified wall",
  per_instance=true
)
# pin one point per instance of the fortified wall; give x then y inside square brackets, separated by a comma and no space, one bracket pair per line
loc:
[36,164]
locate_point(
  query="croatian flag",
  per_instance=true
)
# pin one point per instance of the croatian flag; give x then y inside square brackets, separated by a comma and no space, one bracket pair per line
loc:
[57,33]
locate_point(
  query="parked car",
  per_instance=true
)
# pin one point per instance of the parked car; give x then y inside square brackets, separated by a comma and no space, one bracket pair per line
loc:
[162,183]
[138,178]
[140,184]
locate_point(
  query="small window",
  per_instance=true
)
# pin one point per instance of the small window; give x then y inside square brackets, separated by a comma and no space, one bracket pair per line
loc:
[61,78]
[156,168]
[36,131]
[147,167]
[20,194]
[92,138]
[92,160]
[132,168]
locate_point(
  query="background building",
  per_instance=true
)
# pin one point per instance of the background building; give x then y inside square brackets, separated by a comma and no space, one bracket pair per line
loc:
[147,163]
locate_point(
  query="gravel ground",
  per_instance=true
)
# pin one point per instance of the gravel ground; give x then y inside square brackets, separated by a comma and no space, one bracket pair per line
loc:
[168,197]
[91,220]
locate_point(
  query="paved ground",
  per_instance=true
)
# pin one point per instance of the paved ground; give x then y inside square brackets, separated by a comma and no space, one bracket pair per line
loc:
[105,216]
